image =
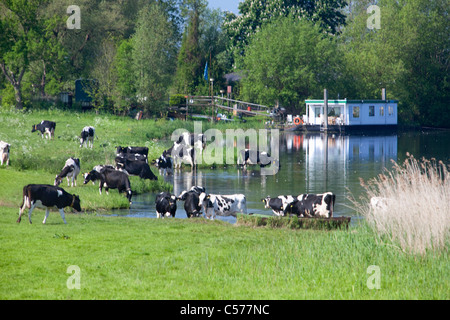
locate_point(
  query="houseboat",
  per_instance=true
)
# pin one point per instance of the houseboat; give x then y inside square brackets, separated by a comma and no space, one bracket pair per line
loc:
[347,115]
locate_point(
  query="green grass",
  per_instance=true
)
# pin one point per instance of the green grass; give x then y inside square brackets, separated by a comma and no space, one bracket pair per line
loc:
[132,258]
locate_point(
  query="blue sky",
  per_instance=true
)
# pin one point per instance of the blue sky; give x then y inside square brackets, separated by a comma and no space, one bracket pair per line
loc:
[225,5]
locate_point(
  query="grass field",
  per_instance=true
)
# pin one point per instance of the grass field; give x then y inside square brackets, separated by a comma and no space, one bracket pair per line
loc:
[126,258]
[138,258]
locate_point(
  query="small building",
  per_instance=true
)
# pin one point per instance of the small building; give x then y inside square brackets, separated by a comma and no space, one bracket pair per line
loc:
[352,113]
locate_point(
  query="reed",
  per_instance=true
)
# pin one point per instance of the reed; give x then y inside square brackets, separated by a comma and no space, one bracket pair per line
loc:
[409,205]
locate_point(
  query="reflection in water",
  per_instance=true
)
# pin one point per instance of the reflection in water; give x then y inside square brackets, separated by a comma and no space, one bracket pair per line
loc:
[309,164]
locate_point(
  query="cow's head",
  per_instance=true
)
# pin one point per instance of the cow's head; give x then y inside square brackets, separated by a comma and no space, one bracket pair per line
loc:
[91,176]
[76,203]
[58,180]
[266,202]
[34,128]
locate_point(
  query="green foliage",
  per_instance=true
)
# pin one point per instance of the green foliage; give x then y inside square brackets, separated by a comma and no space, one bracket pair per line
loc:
[288,61]
[177,100]
[255,14]
[154,54]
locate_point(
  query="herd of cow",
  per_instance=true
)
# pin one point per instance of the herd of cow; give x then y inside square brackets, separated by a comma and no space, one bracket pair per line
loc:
[133,161]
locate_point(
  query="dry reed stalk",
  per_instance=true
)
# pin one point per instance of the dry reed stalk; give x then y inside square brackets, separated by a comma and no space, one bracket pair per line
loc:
[410,204]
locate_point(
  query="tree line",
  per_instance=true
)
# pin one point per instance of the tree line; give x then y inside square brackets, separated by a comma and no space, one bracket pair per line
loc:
[142,52]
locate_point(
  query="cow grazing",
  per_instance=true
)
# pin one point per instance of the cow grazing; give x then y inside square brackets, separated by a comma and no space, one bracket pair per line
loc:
[45,127]
[111,179]
[132,150]
[278,204]
[251,157]
[223,205]
[313,205]
[4,152]
[99,169]
[87,137]
[70,170]
[47,196]
[136,168]
[166,205]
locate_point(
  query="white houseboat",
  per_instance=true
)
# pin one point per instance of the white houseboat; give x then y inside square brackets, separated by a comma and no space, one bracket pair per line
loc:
[348,115]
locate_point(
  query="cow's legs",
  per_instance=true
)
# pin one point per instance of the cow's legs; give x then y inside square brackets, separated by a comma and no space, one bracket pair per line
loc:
[47,212]
[61,212]
[30,211]
[22,209]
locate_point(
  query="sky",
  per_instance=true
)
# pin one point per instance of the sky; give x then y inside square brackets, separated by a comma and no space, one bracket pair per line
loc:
[225,5]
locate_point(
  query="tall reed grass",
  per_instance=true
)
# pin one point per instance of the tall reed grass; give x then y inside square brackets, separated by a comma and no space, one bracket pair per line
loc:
[410,205]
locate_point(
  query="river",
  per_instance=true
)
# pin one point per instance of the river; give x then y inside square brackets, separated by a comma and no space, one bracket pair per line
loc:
[310,163]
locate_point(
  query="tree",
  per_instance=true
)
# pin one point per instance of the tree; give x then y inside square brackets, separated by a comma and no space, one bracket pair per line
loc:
[154,54]
[189,64]
[20,27]
[255,14]
[288,61]
[409,56]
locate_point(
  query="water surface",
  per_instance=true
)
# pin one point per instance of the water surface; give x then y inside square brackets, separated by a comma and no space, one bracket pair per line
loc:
[310,163]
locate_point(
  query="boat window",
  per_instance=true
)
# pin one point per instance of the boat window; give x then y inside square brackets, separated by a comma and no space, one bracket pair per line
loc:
[391,110]
[371,111]
[317,112]
[381,111]
[355,112]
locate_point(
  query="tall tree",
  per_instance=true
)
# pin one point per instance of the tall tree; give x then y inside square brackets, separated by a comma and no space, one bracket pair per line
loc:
[154,55]
[189,65]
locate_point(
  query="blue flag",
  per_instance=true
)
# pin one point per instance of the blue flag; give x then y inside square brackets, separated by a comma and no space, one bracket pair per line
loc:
[205,74]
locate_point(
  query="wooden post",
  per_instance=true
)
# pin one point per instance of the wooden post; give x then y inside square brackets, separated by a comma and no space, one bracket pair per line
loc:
[325,109]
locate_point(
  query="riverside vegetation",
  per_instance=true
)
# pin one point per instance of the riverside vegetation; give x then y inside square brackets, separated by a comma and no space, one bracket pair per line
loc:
[135,258]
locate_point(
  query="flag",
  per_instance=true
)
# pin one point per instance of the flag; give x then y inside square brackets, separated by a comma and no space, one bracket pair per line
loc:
[205,74]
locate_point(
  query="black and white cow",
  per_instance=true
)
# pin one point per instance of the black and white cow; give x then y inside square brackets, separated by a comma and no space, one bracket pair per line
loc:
[47,196]
[183,154]
[4,152]
[192,139]
[136,168]
[193,201]
[111,179]
[313,205]
[223,205]
[164,163]
[130,157]
[278,204]
[99,169]
[71,170]
[249,157]
[45,127]
[187,148]
[166,204]
[132,150]
[87,136]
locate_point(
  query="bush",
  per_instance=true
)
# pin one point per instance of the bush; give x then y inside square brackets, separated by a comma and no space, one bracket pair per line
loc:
[177,100]
[410,205]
